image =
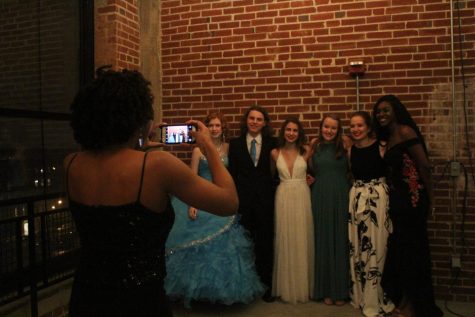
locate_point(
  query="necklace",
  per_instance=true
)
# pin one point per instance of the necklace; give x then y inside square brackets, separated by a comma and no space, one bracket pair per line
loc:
[218,147]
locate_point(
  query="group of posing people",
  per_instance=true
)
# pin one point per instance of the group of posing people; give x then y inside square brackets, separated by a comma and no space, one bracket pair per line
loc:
[152,228]
[318,236]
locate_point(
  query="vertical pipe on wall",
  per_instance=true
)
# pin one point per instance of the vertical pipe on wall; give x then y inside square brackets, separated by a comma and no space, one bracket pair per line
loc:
[454,130]
[357,92]
[356,70]
[452,60]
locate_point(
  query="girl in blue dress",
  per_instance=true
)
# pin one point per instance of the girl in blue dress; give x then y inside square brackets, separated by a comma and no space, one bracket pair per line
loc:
[210,258]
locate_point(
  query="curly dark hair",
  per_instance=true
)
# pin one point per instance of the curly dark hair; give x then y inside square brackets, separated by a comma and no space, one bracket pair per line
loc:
[367,120]
[402,117]
[266,130]
[108,111]
[301,138]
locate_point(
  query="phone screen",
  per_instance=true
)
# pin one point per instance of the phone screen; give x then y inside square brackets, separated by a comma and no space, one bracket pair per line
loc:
[177,134]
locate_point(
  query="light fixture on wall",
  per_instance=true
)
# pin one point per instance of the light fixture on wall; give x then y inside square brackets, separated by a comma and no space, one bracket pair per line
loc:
[357,69]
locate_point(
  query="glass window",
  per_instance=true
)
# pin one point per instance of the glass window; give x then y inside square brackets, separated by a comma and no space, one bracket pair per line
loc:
[31,156]
[39,46]
[45,54]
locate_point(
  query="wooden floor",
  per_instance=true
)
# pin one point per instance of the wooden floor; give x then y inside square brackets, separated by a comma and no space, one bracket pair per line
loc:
[312,309]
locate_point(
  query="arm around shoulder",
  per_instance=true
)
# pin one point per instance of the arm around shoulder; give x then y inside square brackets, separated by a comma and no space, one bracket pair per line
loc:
[274,153]
[347,142]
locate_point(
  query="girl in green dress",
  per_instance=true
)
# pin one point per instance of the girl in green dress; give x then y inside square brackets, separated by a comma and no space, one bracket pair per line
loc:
[330,213]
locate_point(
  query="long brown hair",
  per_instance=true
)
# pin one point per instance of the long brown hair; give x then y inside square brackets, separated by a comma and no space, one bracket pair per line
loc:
[222,119]
[301,138]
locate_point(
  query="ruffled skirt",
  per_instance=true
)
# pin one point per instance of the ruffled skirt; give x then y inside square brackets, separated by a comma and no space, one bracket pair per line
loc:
[213,262]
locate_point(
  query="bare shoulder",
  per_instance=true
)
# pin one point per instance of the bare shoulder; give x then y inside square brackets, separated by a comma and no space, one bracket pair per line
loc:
[274,153]
[161,159]
[68,158]
[225,148]
[196,151]
[406,132]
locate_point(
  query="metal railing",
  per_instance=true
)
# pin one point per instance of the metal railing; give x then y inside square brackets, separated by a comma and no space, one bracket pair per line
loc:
[39,246]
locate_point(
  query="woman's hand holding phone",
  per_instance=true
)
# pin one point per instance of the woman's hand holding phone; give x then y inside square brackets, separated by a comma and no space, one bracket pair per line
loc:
[201,135]
[192,213]
[177,134]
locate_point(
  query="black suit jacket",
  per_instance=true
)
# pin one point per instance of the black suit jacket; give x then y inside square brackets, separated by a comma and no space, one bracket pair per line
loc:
[256,188]
[252,182]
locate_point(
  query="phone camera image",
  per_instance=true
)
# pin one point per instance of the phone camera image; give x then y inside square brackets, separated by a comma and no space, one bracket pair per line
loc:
[177,134]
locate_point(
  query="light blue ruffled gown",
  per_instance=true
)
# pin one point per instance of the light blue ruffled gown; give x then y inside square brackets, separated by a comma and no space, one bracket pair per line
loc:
[210,258]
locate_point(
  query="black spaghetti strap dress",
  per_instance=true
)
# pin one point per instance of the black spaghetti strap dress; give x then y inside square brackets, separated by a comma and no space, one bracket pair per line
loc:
[122,261]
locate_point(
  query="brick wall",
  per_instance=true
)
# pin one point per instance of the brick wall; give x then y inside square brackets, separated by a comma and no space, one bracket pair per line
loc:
[292,57]
[117,33]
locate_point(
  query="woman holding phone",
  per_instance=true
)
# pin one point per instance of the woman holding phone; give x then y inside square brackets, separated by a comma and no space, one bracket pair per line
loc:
[119,197]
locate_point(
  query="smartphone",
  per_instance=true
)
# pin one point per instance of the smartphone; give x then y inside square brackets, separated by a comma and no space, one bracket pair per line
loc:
[177,133]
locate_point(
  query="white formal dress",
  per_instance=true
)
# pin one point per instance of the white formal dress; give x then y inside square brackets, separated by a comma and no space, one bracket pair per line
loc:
[293,274]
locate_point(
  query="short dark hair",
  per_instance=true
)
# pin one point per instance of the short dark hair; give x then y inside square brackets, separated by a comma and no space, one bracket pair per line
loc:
[108,111]
[402,117]
[266,130]
[301,138]
[367,120]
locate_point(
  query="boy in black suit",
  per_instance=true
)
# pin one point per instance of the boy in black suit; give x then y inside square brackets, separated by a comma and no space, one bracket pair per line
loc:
[249,164]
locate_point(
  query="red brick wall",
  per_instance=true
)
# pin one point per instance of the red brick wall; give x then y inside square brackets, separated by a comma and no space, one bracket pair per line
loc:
[292,57]
[117,34]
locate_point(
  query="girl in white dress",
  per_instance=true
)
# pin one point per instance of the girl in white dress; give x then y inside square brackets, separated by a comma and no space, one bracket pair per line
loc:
[294,242]
[369,225]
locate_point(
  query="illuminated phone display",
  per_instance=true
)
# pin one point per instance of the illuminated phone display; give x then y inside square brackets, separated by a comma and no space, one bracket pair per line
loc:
[177,133]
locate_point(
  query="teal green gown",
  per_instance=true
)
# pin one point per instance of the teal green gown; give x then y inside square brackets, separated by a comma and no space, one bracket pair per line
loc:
[330,215]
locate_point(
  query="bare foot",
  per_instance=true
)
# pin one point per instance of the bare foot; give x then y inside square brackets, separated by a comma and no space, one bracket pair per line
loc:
[328,301]
[340,302]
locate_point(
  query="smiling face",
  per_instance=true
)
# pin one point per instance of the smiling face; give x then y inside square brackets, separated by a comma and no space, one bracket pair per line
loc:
[255,122]
[291,132]
[329,129]
[359,128]
[385,114]
[215,128]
